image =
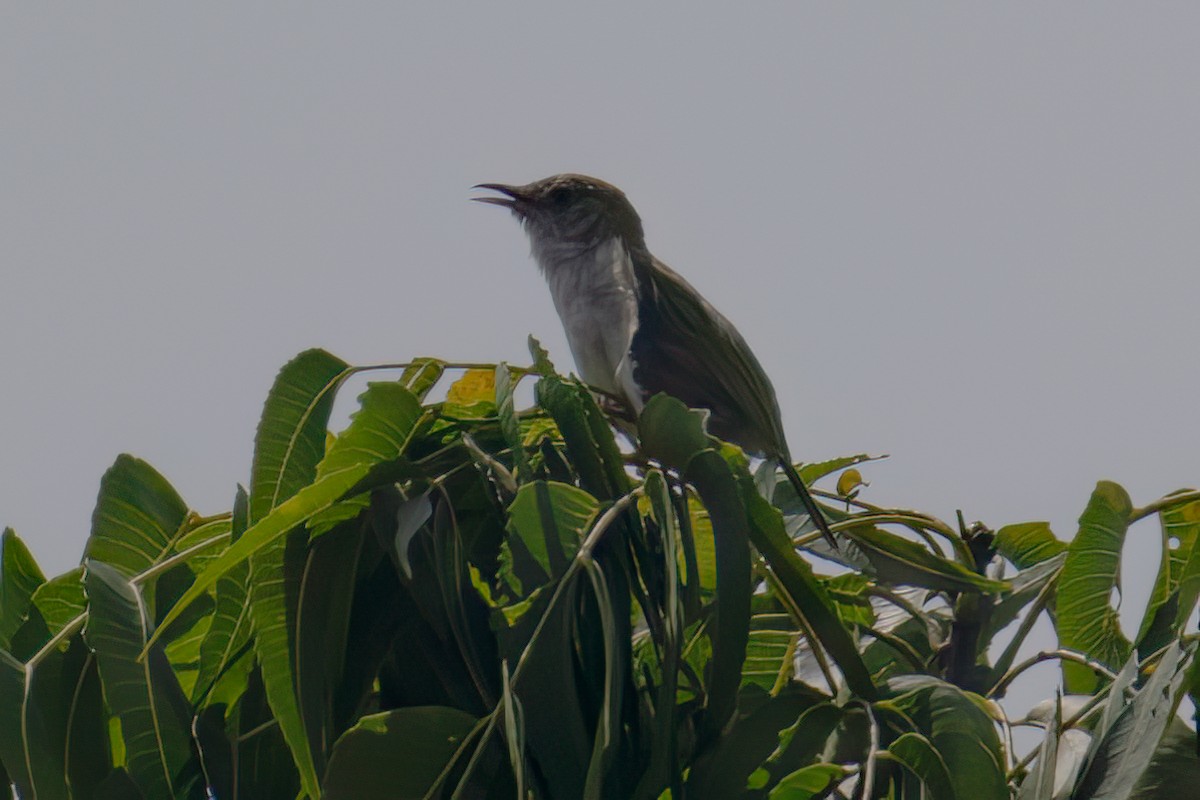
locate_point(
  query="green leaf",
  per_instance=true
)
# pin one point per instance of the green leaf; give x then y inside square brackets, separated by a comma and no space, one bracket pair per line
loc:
[895,559]
[228,635]
[770,652]
[50,707]
[957,727]
[61,599]
[510,426]
[377,436]
[291,433]
[796,577]
[800,744]
[810,473]
[547,522]
[323,605]
[1028,543]
[729,631]
[1123,754]
[590,445]
[397,754]
[155,715]
[137,519]
[1087,622]
[671,432]
[808,782]
[421,374]
[19,579]
[1173,598]
[918,755]
[729,765]
[1173,765]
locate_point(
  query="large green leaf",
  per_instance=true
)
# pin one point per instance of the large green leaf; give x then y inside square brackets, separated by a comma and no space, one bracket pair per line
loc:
[1028,543]
[808,782]
[224,651]
[1173,598]
[1087,621]
[799,745]
[291,433]
[809,596]
[761,733]
[547,522]
[921,758]
[319,645]
[376,437]
[1124,753]
[958,729]
[669,430]
[61,599]
[729,631]
[896,560]
[137,519]
[288,446]
[510,426]
[155,715]
[396,755]
[19,578]
[52,722]
[674,435]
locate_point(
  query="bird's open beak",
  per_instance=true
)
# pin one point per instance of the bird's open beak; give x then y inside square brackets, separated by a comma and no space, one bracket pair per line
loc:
[510,200]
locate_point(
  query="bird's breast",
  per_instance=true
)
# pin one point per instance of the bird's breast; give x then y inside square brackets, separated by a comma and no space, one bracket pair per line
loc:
[595,294]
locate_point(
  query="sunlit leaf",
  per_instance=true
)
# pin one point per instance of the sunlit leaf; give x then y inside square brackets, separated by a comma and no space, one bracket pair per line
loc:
[138,516]
[19,579]
[1028,543]
[1087,621]
[473,395]
[807,782]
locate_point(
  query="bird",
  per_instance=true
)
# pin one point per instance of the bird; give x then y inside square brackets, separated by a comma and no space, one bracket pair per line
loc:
[635,326]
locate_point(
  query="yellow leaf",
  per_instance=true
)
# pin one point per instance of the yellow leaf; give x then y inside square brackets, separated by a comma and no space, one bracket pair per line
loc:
[848,483]
[475,386]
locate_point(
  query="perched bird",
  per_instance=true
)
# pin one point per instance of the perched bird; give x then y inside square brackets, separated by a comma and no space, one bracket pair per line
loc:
[635,327]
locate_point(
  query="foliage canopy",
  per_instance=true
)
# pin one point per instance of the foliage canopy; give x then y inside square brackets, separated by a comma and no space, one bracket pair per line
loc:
[457,599]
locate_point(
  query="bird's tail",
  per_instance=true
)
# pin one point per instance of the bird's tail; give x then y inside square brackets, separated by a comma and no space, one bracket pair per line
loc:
[810,505]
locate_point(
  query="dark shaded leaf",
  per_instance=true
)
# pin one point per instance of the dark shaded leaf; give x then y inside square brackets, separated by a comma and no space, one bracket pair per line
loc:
[155,716]
[894,559]
[228,638]
[958,729]
[547,522]
[395,755]
[921,758]
[726,768]
[377,436]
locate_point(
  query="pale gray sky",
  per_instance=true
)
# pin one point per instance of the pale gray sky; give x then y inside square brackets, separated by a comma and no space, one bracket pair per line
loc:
[963,235]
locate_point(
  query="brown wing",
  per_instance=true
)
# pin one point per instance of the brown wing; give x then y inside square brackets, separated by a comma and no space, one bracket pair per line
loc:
[686,348]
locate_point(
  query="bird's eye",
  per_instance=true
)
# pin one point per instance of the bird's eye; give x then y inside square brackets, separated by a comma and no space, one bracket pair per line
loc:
[560,196]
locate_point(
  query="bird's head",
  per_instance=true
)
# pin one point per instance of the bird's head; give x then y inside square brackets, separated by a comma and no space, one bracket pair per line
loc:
[567,215]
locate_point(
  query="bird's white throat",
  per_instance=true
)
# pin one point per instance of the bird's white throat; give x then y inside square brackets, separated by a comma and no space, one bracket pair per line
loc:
[595,293]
